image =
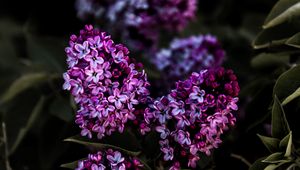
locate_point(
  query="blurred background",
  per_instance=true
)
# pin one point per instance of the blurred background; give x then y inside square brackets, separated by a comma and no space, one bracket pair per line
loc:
[37,114]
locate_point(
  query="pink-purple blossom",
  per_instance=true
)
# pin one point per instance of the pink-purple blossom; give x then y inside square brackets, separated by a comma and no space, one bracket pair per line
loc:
[106,83]
[194,115]
[140,21]
[109,159]
[187,55]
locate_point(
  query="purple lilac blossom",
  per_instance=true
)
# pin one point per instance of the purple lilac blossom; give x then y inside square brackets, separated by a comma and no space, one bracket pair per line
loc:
[108,86]
[109,159]
[140,21]
[187,55]
[194,115]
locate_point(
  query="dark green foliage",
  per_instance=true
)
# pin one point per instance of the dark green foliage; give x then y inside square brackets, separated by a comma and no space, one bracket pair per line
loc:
[280,37]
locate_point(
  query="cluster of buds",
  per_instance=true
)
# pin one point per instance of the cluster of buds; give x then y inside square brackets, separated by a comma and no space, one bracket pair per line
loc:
[193,116]
[140,21]
[109,159]
[106,84]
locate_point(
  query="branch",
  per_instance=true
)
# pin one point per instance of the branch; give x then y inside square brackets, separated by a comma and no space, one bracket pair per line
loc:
[5,147]
[241,159]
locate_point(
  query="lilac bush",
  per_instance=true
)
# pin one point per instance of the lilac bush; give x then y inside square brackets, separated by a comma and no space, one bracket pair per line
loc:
[187,55]
[109,159]
[106,83]
[192,117]
[140,21]
[111,89]
[172,111]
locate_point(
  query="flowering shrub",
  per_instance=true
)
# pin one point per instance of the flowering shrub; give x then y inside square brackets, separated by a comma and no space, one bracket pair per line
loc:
[106,84]
[141,21]
[109,159]
[171,116]
[110,89]
[193,116]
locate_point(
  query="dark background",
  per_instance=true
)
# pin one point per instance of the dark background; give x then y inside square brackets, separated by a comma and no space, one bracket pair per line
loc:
[33,35]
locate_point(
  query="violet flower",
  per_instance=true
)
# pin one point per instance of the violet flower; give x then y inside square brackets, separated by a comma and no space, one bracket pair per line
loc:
[109,159]
[200,109]
[107,85]
[187,55]
[139,21]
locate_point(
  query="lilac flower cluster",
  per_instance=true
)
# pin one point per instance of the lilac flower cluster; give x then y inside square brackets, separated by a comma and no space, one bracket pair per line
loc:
[187,55]
[106,84]
[109,159]
[193,116]
[146,23]
[141,20]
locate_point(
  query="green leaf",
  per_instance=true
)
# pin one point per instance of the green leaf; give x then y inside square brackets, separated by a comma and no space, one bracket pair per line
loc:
[271,143]
[23,83]
[46,52]
[275,36]
[287,83]
[8,55]
[294,41]
[205,161]
[98,145]
[280,127]
[293,166]
[291,97]
[284,10]
[14,27]
[272,167]
[146,166]
[264,60]
[288,151]
[258,164]
[61,108]
[70,165]
[286,143]
[274,158]
[33,117]
[275,166]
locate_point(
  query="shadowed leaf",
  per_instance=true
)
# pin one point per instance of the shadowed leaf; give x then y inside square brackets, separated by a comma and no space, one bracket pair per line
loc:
[280,127]
[61,108]
[70,165]
[272,144]
[46,52]
[286,143]
[287,83]
[97,145]
[275,36]
[24,82]
[258,164]
[274,158]
[294,41]
[264,60]
[291,97]
[33,117]
[284,10]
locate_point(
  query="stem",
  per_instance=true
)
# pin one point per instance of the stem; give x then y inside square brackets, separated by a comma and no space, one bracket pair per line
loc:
[5,147]
[241,159]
